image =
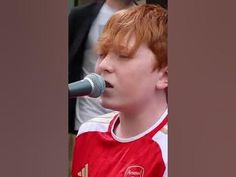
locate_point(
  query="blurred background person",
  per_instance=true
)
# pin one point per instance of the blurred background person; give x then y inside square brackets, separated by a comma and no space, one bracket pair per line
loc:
[85,25]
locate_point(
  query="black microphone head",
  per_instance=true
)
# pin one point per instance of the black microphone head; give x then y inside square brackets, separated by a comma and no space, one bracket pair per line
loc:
[98,84]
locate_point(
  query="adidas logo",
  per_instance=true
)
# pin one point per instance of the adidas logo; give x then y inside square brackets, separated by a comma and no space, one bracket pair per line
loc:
[83,172]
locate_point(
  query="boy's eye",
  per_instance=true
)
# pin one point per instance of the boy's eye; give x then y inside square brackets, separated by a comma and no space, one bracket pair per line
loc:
[124,56]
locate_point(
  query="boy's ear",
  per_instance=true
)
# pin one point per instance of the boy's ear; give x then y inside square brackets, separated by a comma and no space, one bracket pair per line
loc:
[162,81]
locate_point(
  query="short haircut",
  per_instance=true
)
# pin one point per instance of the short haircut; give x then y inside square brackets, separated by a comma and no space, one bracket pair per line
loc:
[148,23]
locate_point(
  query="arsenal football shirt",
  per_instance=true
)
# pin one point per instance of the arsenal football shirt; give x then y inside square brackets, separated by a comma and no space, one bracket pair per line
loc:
[98,152]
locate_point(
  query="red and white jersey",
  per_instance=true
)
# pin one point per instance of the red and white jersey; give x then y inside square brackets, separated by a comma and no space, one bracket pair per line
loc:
[98,152]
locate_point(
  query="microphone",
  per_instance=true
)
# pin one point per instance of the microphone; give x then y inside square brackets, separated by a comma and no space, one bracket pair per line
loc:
[92,85]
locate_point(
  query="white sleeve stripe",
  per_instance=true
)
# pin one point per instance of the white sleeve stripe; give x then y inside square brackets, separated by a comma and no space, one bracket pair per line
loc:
[99,124]
[92,127]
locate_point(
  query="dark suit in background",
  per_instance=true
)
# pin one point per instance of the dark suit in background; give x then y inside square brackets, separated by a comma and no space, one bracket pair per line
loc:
[163,3]
[80,21]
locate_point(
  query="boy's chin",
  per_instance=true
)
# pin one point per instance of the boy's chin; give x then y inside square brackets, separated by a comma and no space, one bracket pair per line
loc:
[108,104]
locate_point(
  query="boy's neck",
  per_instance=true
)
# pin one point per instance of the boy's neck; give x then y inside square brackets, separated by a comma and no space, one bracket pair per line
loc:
[134,123]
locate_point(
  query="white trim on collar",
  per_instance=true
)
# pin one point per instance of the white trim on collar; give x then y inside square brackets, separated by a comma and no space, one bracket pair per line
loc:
[126,140]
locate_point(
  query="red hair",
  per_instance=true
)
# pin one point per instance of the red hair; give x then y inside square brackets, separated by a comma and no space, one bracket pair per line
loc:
[148,23]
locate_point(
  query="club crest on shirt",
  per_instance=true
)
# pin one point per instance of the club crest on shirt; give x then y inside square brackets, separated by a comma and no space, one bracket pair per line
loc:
[134,171]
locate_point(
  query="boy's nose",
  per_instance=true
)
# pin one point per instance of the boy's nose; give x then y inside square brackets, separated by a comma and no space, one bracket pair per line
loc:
[104,65]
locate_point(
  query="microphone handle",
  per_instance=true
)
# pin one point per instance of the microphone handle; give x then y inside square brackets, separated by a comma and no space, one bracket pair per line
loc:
[79,88]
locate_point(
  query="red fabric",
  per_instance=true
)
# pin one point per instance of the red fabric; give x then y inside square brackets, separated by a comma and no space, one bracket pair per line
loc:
[106,157]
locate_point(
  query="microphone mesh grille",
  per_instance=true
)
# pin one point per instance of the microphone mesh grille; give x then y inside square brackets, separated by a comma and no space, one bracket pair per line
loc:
[99,85]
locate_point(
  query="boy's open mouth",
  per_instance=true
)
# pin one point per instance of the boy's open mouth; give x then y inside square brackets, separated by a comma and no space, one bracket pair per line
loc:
[108,85]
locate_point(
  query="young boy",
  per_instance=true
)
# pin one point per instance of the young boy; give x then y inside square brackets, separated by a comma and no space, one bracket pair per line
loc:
[133,61]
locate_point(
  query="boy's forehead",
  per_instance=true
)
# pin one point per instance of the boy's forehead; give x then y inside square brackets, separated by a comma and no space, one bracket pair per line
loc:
[125,43]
